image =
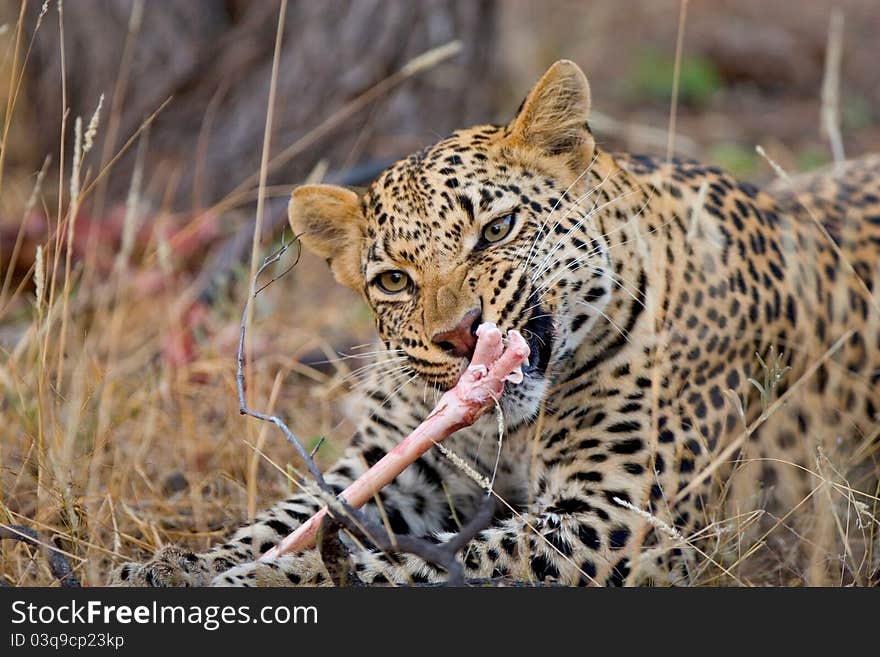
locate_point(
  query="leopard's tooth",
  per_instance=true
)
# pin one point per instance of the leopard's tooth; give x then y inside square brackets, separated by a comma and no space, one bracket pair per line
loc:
[516,376]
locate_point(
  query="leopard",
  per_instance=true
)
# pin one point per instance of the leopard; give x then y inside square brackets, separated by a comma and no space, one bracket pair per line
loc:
[704,361]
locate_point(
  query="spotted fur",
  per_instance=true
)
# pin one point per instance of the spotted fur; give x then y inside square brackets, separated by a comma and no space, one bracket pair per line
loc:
[648,291]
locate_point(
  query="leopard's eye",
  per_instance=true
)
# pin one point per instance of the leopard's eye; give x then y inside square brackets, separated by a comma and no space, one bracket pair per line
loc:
[393,282]
[498,229]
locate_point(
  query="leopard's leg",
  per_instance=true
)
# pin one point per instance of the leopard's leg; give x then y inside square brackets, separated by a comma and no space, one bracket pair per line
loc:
[415,503]
[574,532]
[174,566]
[599,486]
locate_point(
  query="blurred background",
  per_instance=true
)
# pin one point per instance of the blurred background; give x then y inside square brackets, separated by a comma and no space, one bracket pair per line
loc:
[125,252]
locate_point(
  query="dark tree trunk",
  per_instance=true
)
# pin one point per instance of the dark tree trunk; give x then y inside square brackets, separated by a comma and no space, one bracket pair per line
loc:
[215,59]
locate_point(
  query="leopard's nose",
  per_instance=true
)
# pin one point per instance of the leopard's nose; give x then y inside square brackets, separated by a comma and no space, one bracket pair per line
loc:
[461,340]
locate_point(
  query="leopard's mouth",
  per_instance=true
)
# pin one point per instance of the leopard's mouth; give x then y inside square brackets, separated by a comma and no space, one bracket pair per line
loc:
[539,334]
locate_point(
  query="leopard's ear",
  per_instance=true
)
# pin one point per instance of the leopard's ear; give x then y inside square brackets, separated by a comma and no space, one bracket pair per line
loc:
[331,224]
[553,117]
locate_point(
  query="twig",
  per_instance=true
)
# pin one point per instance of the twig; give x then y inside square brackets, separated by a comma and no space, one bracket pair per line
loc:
[264,161]
[848,266]
[492,364]
[676,75]
[738,442]
[239,374]
[342,513]
[831,87]
[235,249]
[58,563]
[439,554]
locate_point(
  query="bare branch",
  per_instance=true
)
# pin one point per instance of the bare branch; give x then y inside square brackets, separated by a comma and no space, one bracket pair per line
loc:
[438,554]
[340,513]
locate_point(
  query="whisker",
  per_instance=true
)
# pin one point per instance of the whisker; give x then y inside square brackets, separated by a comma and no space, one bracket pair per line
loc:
[387,379]
[549,259]
[575,205]
[610,321]
[527,334]
[607,248]
[641,210]
[425,392]
[542,265]
[556,205]
[362,371]
[367,354]
[375,375]
[376,370]
[399,388]
[368,344]
[500,413]
[577,265]
[618,280]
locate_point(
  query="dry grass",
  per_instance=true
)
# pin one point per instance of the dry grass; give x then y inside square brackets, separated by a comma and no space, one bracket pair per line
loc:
[133,450]
[119,424]
[136,447]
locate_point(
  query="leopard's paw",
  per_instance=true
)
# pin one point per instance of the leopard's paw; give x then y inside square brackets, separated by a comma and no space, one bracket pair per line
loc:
[289,570]
[170,566]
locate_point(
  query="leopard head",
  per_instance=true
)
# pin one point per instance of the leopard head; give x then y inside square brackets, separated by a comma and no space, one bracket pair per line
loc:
[492,224]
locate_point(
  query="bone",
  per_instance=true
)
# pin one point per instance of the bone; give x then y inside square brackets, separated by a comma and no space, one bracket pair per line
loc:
[477,391]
